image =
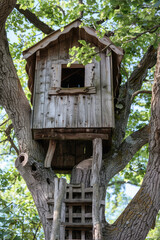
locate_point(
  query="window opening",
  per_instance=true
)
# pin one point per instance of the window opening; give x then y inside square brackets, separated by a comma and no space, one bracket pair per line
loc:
[73,76]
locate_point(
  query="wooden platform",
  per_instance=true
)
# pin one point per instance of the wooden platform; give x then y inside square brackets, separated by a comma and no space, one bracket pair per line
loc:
[72,133]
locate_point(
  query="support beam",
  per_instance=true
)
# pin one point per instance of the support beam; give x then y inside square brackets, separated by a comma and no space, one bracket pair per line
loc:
[96,167]
[50,154]
[59,194]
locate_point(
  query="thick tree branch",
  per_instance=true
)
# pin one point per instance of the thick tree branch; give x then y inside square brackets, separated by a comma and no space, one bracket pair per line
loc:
[12,96]
[140,214]
[117,161]
[34,20]
[133,84]
[6,8]
[139,74]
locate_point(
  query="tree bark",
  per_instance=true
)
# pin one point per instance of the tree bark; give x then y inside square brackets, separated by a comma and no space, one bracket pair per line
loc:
[6,8]
[40,182]
[126,92]
[117,160]
[12,96]
[139,216]
[34,20]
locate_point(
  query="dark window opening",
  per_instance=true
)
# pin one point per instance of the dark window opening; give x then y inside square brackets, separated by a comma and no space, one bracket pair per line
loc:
[73,77]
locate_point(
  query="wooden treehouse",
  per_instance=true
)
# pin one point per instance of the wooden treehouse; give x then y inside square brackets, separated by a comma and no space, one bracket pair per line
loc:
[71,107]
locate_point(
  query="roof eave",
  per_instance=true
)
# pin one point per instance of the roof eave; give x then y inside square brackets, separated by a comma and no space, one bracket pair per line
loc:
[55,35]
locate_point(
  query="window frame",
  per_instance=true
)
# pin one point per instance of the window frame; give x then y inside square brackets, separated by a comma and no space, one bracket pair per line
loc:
[55,85]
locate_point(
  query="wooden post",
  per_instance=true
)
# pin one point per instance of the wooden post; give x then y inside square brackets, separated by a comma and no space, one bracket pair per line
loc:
[50,154]
[59,194]
[96,167]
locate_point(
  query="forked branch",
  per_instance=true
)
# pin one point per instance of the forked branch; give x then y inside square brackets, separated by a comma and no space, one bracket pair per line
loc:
[126,91]
[140,214]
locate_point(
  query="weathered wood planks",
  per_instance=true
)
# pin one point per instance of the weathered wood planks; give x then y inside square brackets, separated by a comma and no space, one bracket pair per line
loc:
[72,134]
[90,106]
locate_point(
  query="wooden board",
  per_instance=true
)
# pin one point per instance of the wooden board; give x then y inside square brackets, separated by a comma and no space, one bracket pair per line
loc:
[106,91]
[96,108]
[56,107]
[71,91]
[39,93]
[71,134]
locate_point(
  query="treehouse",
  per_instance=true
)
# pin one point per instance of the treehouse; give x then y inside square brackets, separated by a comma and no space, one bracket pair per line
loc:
[72,105]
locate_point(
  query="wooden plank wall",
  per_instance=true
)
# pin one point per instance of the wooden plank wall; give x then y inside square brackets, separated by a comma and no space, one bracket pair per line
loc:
[79,111]
[39,93]
[107,90]
[69,153]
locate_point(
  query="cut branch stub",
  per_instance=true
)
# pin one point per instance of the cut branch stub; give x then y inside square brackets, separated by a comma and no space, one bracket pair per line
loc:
[81,173]
[22,159]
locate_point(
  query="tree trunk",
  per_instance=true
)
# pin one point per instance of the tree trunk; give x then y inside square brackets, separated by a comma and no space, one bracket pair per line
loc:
[40,182]
[139,216]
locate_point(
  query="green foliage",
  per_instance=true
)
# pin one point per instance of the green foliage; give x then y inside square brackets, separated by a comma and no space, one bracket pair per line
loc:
[133,24]
[66,176]
[83,54]
[154,234]
[18,217]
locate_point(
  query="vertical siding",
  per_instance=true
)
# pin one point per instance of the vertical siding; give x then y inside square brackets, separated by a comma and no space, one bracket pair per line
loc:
[106,91]
[82,111]
[63,47]
[39,92]
[52,79]
[97,107]
[89,74]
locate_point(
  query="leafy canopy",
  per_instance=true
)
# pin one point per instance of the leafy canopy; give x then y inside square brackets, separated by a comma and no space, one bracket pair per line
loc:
[131,24]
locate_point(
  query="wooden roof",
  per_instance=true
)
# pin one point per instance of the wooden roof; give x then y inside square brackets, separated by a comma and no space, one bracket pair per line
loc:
[56,34]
